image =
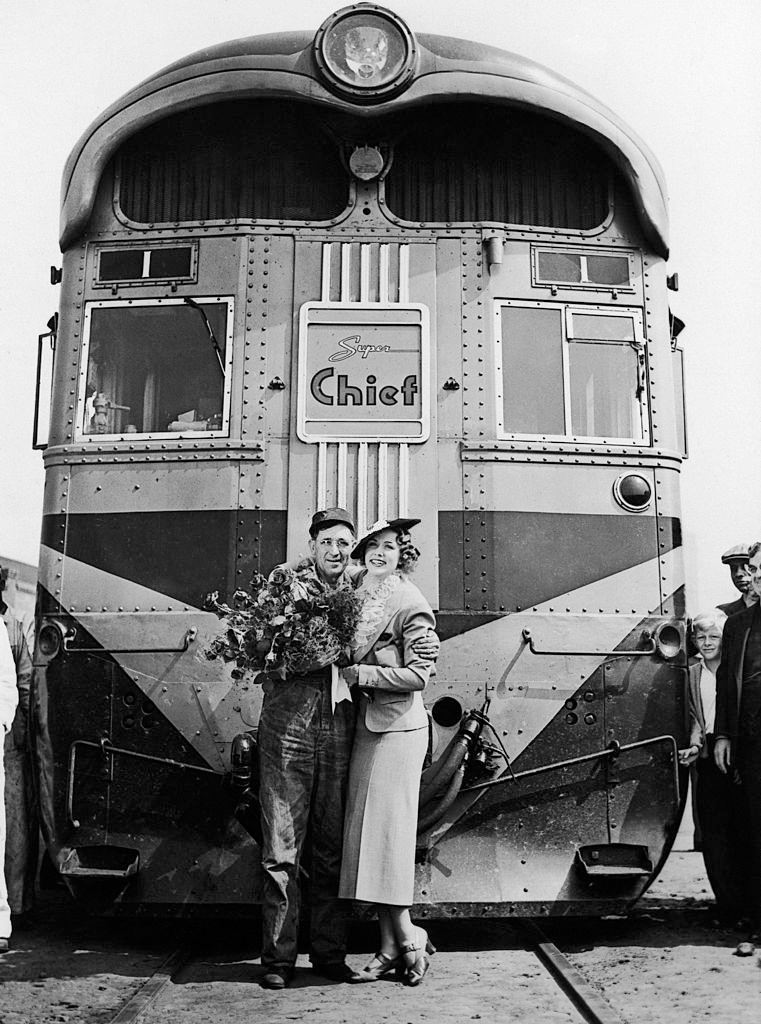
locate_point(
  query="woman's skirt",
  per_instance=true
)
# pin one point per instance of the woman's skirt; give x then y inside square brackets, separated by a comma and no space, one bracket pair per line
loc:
[380,826]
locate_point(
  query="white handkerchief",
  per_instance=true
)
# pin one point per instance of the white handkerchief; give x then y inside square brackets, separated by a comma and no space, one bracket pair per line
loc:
[339,688]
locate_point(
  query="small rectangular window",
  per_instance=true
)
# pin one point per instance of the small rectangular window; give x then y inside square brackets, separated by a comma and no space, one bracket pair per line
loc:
[558,266]
[156,367]
[170,262]
[136,265]
[579,269]
[121,265]
[609,270]
[592,327]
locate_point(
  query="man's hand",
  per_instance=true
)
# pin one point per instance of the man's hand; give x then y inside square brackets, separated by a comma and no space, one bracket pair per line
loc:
[689,755]
[427,647]
[350,674]
[722,754]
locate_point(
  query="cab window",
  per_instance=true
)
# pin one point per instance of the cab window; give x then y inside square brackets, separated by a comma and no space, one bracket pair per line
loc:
[571,373]
[158,367]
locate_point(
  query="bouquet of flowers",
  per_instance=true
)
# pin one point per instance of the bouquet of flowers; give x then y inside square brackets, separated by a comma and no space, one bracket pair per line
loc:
[286,624]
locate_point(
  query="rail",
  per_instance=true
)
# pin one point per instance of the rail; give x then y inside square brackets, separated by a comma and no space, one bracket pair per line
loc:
[148,993]
[587,1000]
[612,751]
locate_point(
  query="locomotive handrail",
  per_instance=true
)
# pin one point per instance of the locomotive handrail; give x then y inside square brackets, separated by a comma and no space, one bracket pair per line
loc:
[613,750]
[646,635]
[187,640]
[106,748]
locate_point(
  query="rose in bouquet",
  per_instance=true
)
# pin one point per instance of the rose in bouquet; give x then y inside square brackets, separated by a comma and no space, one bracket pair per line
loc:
[285,624]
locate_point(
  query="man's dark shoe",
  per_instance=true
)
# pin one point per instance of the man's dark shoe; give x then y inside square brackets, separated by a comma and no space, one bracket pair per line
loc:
[338,971]
[277,977]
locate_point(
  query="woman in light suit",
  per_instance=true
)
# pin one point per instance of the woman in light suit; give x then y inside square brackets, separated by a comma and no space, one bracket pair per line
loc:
[390,744]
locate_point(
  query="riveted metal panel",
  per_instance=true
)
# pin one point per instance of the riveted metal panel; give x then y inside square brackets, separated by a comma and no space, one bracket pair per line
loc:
[544,487]
[476,355]
[68,348]
[153,487]
[269,336]
[669,525]
[449,274]
[302,458]
[659,361]
[55,510]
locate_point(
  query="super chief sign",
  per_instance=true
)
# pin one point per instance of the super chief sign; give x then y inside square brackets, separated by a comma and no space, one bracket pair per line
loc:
[363,372]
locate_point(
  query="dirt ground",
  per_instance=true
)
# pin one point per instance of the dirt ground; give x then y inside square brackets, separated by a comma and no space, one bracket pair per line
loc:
[663,963]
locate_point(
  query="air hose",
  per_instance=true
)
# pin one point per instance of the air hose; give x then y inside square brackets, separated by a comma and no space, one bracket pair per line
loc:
[444,781]
[436,777]
[244,783]
[430,814]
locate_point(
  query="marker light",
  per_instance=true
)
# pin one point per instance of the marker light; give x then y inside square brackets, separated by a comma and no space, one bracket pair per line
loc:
[365,52]
[668,640]
[50,640]
[633,492]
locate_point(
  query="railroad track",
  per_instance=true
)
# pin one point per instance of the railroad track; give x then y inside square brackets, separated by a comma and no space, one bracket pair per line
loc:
[593,1008]
[154,997]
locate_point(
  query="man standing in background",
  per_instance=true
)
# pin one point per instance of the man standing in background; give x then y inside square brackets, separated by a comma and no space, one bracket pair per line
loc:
[8,702]
[738,718]
[21,845]
[737,560]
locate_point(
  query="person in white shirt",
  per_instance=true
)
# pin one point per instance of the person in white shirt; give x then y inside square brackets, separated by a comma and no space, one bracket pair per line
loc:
[718,799]
[8,702]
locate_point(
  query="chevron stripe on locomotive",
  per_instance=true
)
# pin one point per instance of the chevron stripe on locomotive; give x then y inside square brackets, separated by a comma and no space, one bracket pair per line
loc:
[405,274]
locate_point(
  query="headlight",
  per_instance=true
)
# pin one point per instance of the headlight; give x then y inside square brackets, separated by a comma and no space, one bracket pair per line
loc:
[365,54]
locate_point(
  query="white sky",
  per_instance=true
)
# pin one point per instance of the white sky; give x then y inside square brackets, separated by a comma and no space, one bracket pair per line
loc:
[685,74]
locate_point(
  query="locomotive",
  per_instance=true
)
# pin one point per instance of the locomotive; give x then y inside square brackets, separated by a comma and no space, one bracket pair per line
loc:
[405,274]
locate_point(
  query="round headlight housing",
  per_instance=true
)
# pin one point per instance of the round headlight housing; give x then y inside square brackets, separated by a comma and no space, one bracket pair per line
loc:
[49,640]
[633,492]
[365,52]
[669,640]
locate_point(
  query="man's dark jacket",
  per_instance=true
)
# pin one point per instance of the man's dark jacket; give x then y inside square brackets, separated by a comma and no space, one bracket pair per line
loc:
[733,607]
[730,673]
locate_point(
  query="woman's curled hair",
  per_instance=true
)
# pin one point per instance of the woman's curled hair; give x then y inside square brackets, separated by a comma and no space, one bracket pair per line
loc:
[408,553]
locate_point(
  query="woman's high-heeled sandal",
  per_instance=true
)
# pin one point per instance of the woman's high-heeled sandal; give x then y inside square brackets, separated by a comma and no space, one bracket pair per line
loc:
[415,973]
[383,965]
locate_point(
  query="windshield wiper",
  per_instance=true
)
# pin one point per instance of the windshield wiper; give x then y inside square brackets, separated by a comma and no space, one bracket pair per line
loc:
[212,338]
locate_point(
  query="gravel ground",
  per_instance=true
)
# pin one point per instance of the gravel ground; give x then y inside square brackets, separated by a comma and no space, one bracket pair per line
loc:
[663,963]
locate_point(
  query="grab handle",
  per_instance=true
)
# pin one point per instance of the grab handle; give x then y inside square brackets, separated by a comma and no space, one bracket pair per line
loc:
[646,635]
[187,640]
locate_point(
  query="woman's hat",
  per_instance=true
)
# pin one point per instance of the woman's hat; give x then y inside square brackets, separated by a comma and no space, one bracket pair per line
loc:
[379,527]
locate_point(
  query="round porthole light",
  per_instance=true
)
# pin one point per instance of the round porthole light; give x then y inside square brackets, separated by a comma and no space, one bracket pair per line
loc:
[633,492]
[365,52]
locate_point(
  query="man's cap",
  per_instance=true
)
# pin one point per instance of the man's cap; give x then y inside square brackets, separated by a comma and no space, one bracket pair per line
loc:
[379,527]
[330,517]
[739,553]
